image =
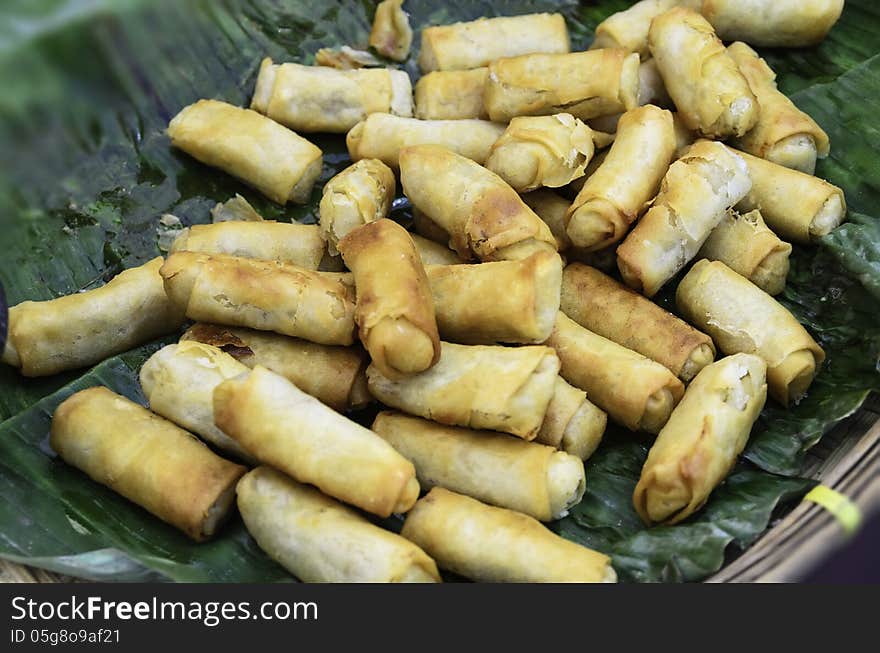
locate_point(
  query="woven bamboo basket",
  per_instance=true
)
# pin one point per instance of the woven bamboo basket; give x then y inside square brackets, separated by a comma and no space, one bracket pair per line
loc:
[846,460]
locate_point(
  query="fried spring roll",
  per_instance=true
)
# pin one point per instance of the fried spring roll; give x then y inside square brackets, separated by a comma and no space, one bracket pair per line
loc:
[461,46]
[83,328]
[635,391]
[484,217]
[492,544]
[337,376]
[608,308]
[178,382]
[695,194]
[299,244]
[773,23]
[799,207]
[536,151]
[551,208]
[615,195]
[276,161]
[361,193]
[263,295]
[741,317]
[505,301]
[451,94]
[573,423]
[433,253]
[383,136]
[235,209]
[282,426]
[584,84]
[320,540]
[346,58]
[702,439]
[395,310]
[391,35]
[783,134]
[628,29]
[146,459]
[747,246]
[710,92]
[321,99]
[531,478]
[482,387]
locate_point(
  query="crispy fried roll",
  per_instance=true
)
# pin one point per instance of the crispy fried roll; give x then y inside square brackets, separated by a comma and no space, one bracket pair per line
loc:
[383,136]
[694,196]
[484,217]
[741,317]
[276,161]
[531,478]
[483,387]
[608,308]
[433,253]
[573,423]
[395,310]
[391,35]
[492,544]
[461,46]
[284,427]
[584,84]
[628,29]
[710,92]
[264,295]
[702,439]
[635,391]
[146,459]
[320,540]
[773,23]
[83,328]
[451,94]
[322,99]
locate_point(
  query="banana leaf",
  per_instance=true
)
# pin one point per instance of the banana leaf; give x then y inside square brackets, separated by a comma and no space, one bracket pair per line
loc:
[87,171]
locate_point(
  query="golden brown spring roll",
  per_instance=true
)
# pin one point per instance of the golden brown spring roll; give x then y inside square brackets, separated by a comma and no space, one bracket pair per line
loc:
[335,375]
[615,195]
[505,301]
[710,92]
[799,207]
[584,84]
[299,244]
[282,426]
[536,151]
[451,94]
[395,310]
[484,217]
[492,544]
[433,253]
[773,23]
[382,136]
[391,35]
[741,317]
[783,134]
[551,208]
[361,193]
[320,540]
[276,161]
[321,99]
[694,196]
[608,308]
[461,46]
[635,391]
[531,478]
[482,387]
[83,328]
[235,209]
[263,295]
[746,245]
[146,459]
[178,382]
[702,439]
[573,423]
[628,29]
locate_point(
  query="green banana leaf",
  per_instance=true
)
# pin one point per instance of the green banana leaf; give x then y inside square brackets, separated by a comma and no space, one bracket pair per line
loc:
[87,171]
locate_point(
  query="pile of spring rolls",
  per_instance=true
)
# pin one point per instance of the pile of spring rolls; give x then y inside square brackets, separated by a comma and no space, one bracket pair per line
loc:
[497,335]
